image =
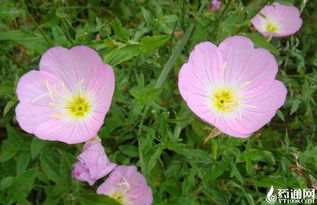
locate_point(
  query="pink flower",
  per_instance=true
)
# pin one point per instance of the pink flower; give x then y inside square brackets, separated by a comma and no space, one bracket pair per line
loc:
[127,186]
[277,20]
[93,163]
[215,5]
[68,98]
[232,86]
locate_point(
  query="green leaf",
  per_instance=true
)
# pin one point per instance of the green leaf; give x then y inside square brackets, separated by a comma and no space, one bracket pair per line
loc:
[23,162]
[261,42]
[6,182]
[281,115]
[151,43]
[217,170]
[9,10]
[8,106]
[50,168]
[195,155]
[30,40]
[96,199]
[129,150]
[189,181]
[10,146]
[121,54]
[153,159]
[21,186]
[146,15]
[295,106]
[36,147]
[7,88]
[256,155]
[120,32]
[9,150]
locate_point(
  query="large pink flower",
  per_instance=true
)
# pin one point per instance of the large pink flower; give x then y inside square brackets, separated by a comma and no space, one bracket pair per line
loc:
[68,98]
[232,86]
[277,20]
[93,162]
[127,186]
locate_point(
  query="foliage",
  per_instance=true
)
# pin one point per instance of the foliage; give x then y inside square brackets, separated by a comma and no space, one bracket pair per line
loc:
[149,125]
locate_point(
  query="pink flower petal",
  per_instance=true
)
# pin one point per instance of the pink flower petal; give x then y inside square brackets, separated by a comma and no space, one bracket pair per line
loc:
[30,116]
[259,110]
[32,87]
[202,70]
[247,66]
[59,62]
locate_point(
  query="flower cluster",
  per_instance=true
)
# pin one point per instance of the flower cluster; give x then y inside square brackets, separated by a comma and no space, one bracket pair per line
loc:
[231,86]
[125,184]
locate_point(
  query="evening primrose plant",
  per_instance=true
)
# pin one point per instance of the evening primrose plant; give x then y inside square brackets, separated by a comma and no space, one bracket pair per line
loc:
[157,102]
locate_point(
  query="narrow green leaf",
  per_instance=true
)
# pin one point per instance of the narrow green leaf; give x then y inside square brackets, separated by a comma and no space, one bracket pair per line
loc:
[8,106]
[121,54]
[120,32]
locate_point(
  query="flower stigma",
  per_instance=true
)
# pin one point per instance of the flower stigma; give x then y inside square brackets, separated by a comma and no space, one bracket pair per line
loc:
[78,106]
[118,197]
[271,27]
[225,99]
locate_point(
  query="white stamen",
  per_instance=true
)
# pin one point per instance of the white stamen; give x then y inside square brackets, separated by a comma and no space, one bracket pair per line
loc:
[39,97]
[244,84]
[223,68]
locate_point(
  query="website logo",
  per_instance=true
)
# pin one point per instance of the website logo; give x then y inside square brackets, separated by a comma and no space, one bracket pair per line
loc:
[295,196]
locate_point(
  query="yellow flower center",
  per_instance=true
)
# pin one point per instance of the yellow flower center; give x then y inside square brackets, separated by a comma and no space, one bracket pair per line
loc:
[118,197]
[78,106]
[225,99]
[271,27]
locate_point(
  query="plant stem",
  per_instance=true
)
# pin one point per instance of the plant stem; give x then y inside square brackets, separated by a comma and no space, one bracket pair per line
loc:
[171,61]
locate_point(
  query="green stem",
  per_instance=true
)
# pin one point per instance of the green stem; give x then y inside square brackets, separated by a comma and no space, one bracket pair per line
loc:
[269,39]
[171,61]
